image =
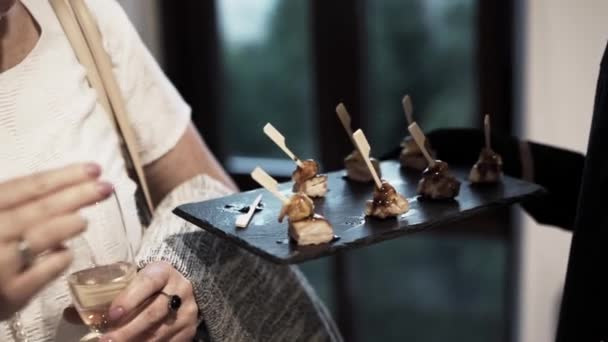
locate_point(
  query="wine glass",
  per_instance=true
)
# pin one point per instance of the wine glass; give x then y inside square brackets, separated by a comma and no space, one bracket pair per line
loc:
[103,265]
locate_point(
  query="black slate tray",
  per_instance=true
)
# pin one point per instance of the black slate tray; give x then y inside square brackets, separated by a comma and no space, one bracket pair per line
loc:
[343,207]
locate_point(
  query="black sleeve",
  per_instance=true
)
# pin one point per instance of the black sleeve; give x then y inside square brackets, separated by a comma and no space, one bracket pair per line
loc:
[558,170]
[585,299]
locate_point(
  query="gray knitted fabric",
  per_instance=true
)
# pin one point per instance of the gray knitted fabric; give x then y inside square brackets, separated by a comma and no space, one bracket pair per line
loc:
[241,297]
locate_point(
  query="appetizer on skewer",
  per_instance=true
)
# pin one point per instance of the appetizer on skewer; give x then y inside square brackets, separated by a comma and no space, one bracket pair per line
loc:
[387,202]
[306,177]
[305,227]
[437,182]
[411,155]
[354,163]
[357,170]
[488,168]
[298,207]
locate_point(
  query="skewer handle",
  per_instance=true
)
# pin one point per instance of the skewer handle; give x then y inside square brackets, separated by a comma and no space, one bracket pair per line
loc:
[408,108]
[345,119]
[279,139]
[364,149]
[243,220]
[269,183]
[487,130]
[420,139]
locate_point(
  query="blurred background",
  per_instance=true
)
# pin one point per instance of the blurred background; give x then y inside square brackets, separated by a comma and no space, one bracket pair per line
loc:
[532,64]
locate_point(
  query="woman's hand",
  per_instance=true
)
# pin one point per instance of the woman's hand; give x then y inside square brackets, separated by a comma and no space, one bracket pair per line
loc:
[38,213]
[142,311]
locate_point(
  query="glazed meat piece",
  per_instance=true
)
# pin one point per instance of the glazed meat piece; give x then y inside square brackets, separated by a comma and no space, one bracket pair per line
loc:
[305,227]
[357,170]
[299,207]
[411,156]
[387,202]
[307,180]
[314,187]
[437,182]
[311,231]
[488,168]
[309,169]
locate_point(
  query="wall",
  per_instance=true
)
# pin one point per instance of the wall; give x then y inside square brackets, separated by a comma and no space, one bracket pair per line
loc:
[563,44]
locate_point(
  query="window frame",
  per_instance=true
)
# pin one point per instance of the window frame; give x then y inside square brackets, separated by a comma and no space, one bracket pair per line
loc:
[192,60]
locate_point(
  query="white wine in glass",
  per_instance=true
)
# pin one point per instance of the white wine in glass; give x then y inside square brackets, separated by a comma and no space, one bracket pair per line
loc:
[108,269]
[94,289]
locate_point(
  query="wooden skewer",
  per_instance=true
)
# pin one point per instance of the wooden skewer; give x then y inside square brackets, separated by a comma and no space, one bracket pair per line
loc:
[420,139]
[486,126]
[345,120]
[268,183]
[279,139]
[242,221]
[408,108]
[364,149]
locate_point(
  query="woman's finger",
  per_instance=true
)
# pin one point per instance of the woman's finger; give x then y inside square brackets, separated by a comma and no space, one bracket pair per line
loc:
[20,190]
[148,283]
[158,323]
[25,285]
[186,334]
[8,257]
[55,232]
[148,322]
[70,199]
[156,333]
[50,236]
[62,202]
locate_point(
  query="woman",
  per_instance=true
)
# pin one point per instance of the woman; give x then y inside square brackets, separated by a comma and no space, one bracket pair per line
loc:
[50,120]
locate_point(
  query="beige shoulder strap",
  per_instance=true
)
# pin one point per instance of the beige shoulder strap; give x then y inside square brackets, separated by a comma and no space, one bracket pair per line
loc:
[85,38]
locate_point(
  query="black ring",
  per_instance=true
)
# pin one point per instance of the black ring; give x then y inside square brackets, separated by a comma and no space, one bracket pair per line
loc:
[175,301]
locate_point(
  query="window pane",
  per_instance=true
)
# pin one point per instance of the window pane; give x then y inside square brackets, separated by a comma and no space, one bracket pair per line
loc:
[266,56]
[424,48]
[424,287]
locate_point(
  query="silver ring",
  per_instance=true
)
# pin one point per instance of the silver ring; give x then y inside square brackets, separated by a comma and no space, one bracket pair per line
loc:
[25,253]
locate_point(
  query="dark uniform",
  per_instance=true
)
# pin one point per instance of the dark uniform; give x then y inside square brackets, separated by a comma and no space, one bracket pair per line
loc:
[584,312]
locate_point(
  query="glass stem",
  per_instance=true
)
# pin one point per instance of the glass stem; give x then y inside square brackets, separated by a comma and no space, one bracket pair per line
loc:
[131,256]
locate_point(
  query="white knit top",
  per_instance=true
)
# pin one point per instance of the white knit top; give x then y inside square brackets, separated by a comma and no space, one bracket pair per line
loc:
[49,117]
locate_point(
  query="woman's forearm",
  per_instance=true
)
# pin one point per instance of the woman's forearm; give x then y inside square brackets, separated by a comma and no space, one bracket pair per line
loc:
[164,239]
[189,157]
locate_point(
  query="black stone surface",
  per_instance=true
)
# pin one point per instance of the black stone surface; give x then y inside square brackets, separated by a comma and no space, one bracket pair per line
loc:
[343,207]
